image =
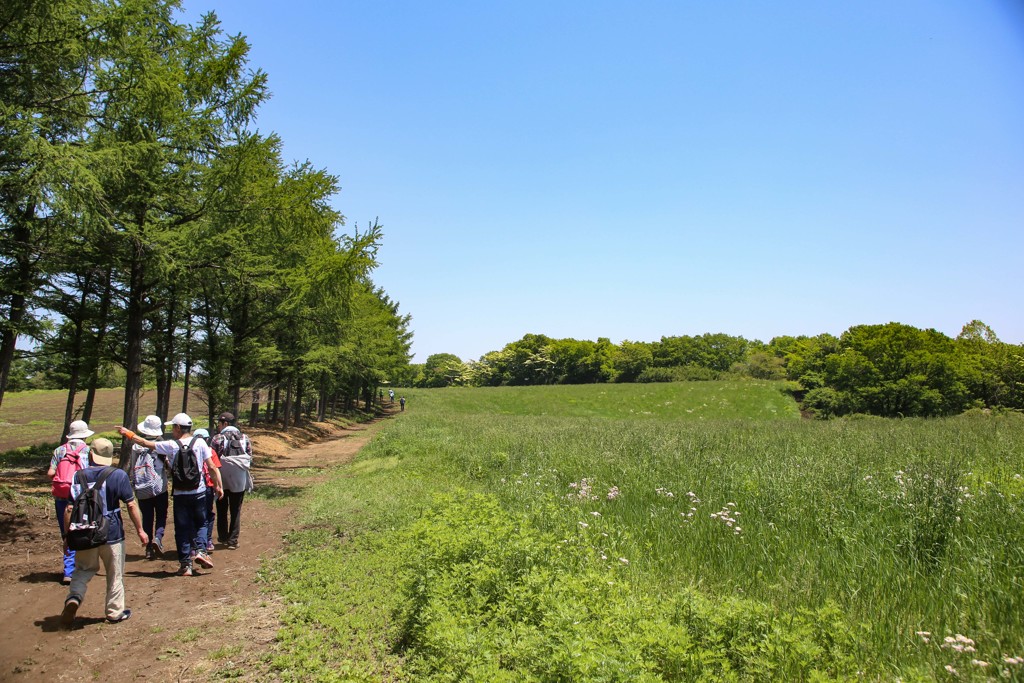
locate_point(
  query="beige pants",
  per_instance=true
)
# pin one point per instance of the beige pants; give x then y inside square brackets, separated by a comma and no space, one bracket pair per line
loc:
[87,563]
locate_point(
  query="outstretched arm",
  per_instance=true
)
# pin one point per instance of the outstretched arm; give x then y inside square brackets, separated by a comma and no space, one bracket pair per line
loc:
[135,438]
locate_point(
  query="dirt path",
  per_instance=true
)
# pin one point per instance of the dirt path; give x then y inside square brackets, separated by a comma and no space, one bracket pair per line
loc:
[218,624]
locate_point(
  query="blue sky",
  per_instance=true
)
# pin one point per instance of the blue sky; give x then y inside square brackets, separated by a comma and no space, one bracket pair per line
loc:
[648,169]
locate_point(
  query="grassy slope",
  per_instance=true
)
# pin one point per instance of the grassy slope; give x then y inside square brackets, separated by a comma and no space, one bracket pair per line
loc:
[35,417]
[906,526]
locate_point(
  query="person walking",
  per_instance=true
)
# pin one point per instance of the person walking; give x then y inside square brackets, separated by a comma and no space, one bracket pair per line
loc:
[401,402]
[67,459]
[189,487]
[208,498]
[148,475]
[115,489]
[235,452]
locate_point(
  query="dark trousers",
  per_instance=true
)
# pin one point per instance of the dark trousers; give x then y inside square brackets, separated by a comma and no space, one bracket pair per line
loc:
[154,512]
[230,506]
[189,524]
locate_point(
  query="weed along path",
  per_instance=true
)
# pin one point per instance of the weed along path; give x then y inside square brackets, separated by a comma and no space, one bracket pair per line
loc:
[217,624]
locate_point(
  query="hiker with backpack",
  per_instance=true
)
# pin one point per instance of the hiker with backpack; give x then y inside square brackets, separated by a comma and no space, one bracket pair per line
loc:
[148,475]
[186,454]
[66,461]
[235,452]
[209,496]
[96,533]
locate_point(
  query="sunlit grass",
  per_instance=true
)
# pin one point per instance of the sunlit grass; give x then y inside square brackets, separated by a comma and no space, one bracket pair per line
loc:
[906,526]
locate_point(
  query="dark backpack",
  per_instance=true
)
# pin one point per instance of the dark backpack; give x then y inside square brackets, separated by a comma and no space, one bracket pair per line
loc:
[231,443]
[89,523]
[185,471]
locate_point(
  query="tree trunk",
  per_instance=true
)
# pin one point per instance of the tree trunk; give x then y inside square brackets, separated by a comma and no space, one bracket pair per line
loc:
[299,386]
[76,363]
[287,404]
[96,357]
[22,284]
[188,363]
[133,353]
[277,399]
[254,409]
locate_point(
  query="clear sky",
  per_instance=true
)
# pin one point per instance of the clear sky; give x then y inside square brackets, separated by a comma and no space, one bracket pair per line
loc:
[634,170]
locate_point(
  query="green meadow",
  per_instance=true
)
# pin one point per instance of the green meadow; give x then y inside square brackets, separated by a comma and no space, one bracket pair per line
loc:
[692,531]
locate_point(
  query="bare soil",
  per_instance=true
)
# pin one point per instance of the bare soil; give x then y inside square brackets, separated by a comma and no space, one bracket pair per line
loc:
[219,624]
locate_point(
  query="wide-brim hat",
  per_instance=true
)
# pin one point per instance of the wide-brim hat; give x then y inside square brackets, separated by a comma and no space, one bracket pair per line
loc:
[79,430]
[151,426]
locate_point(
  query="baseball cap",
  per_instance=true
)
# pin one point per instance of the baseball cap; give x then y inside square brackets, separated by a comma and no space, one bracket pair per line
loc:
[181,419]
[226,417]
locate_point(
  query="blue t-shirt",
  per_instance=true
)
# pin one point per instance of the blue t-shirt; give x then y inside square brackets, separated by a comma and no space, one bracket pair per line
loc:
[117,489]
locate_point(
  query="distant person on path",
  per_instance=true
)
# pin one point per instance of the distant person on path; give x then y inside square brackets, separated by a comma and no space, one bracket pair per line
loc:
[235,452]
[66,460]
[189,495]
[148,475]
[208,498]
[391,393]
[382,397]
[116,489]
[401,402]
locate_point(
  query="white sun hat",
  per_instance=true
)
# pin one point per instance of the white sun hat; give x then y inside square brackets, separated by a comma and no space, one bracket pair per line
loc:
[79,429]
[151,426]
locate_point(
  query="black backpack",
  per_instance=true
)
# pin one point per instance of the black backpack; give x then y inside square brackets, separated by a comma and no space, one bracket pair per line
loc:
[231,443]
[185,472]
[89,523]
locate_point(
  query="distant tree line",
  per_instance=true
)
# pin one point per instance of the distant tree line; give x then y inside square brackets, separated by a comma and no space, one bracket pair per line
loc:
[888,370]
[148,236]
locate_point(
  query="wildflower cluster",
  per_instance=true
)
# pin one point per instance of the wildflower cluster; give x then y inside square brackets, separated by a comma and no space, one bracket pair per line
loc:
[727,516]
[582,490]
[694,501]
[958,643]
[962,645]
[613,493]
[662,491]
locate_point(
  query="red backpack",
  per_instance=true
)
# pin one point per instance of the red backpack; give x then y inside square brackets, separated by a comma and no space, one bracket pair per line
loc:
[66,469]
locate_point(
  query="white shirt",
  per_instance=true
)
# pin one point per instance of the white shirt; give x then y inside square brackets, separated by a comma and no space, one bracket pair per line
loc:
[200,448]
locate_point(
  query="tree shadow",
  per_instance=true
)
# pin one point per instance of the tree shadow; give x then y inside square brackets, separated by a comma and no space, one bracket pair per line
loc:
[13,528]
[274,492]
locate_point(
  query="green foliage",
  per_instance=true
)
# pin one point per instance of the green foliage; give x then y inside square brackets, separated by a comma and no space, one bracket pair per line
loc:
[757,550]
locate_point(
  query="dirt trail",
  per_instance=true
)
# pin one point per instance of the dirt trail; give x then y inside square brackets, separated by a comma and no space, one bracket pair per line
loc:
[182,629]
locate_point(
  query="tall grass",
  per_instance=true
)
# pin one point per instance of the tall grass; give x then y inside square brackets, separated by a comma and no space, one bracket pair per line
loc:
[910,531]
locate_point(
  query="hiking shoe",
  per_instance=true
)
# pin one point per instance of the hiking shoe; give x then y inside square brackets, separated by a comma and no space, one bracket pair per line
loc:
[125,616]
[150,552]
[185,570]
[66,580]
[159,544]
[204,560]
[233,545]
[67,617]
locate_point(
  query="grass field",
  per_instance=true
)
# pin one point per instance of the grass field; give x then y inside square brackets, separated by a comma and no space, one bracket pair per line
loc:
[675,532]
[37,417]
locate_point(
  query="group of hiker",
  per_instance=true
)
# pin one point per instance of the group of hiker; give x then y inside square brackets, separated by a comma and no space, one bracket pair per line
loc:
[207,479]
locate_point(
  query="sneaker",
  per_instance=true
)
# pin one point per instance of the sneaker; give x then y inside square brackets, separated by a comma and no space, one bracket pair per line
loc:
[66,580]
[150,552]
[67,617]
[204,560]
[233,545]
[209,546]
[159,543]
[125,616]
[185,570]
